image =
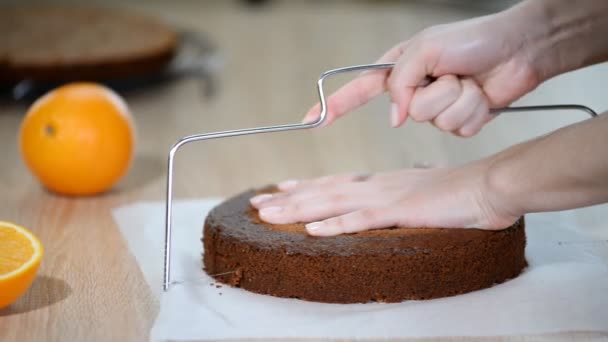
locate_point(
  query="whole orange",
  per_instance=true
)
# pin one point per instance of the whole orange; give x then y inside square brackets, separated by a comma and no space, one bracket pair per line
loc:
[78,139]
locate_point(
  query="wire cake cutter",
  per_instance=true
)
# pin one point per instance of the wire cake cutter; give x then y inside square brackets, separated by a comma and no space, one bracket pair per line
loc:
[290,127]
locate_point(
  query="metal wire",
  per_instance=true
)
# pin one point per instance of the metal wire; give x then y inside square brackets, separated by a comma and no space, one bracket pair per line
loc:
[281,128]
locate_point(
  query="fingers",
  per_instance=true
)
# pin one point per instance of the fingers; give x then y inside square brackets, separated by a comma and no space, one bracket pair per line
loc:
[355,93]
[454,117]
[313,209]
[444,197]
[360,220]
[430,101]
[411,212]
[481,116]
[316,203]
[301,190]
[293,184]
[452,104]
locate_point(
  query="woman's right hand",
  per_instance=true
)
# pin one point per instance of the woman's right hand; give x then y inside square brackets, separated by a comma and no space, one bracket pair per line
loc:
[477,64]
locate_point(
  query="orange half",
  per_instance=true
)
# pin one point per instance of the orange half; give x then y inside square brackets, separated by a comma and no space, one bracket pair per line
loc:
[20,256]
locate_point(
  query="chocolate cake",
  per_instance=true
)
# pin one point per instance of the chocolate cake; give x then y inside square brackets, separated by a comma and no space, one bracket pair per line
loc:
[387,265]
[61,43]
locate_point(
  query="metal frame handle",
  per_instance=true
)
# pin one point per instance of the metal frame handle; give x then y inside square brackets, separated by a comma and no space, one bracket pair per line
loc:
[280,128]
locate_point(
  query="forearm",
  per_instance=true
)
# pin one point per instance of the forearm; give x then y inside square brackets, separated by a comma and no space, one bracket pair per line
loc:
[557,36]
[563,170]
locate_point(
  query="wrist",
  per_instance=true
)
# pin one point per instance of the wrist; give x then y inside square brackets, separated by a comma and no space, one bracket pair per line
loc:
[504,181]
[558,171]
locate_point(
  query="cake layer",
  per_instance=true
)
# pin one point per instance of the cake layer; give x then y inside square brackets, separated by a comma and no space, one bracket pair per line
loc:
[388,265]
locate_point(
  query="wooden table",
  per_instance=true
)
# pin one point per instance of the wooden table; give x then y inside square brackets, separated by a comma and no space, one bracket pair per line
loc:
[90,287]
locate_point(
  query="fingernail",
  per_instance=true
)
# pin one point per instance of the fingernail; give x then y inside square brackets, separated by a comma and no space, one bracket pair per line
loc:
[314,226]
[260,198]
[288,184]
[394,115]
[270,211]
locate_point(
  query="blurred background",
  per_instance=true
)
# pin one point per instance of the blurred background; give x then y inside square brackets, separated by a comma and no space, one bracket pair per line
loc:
[52,42]
[237,64]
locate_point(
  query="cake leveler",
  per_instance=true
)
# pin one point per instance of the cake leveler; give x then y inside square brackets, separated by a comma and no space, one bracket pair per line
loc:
[280,128]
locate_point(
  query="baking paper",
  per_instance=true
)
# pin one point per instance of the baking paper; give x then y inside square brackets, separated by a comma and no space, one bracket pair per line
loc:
[565,288]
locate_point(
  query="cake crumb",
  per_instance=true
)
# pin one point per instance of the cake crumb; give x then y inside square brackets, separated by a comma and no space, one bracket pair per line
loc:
[218,286]
[235,280]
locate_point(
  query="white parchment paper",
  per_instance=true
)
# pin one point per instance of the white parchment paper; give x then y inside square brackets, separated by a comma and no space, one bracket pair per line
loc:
[565,288]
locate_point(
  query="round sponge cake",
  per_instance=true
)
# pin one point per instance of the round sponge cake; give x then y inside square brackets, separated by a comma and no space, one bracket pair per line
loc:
[61,43]
[388,265]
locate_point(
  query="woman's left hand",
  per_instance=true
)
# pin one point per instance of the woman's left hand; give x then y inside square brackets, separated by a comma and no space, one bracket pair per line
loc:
[438,197]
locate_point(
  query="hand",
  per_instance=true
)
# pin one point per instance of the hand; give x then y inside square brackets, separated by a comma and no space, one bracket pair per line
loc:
[478,64]
[440,197]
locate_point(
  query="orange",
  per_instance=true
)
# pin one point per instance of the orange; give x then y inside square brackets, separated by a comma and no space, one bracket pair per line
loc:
[20,256]
[78,139]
